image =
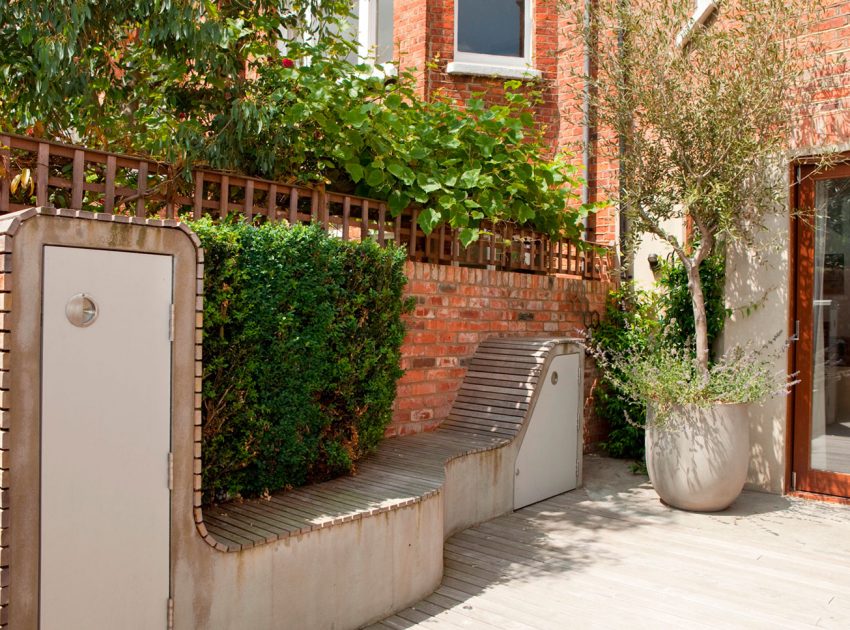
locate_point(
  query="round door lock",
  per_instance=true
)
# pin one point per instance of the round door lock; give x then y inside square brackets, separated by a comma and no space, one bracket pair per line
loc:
[554,378]
[81,310]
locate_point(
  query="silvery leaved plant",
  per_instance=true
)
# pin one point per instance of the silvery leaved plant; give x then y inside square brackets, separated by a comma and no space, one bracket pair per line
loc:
[664,376]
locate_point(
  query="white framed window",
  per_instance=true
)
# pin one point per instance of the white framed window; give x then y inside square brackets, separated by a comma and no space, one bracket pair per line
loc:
[369,25]
[375,30]
[494,38]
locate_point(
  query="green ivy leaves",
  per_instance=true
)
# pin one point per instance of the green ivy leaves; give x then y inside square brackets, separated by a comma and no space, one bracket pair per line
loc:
[302,338]
[115,74]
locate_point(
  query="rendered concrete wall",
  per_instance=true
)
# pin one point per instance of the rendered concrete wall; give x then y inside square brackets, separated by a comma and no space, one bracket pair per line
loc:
[757,290]
[643,275]
[478,487]
[24,234]
[338,577]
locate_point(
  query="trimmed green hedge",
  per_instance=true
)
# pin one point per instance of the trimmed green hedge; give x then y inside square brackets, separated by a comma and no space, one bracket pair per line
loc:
[302,341]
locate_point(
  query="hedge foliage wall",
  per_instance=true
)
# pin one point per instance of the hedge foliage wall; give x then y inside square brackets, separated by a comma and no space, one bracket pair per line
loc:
[302,341]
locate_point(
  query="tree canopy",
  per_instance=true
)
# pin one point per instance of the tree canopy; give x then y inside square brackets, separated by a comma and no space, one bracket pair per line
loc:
[699,115]
[265,89]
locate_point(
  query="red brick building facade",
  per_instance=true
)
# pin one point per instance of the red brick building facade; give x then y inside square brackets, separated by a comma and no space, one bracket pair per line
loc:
[826,124]
[441,42]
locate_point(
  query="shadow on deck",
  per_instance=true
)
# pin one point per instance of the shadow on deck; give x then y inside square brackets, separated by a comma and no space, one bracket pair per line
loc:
[611,555]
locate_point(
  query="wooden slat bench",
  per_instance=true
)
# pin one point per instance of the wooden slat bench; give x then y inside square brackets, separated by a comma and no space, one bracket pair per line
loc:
[458,475]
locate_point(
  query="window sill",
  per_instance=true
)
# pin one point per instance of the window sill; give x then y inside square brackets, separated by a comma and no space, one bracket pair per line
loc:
[493,70]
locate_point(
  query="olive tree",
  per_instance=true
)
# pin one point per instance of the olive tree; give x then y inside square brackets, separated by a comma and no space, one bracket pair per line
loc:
[696,110]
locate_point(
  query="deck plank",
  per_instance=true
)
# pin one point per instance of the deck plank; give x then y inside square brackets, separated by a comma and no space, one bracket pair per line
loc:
[611,555]
[483,406]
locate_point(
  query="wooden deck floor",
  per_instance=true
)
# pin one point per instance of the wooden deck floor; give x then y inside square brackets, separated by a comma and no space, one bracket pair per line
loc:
[610,555]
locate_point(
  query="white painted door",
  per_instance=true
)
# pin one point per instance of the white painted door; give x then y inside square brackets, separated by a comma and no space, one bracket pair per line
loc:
[106,418]
[547,458]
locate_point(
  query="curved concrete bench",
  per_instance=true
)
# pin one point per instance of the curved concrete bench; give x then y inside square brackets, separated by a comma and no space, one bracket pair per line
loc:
[336,555]
[350,551]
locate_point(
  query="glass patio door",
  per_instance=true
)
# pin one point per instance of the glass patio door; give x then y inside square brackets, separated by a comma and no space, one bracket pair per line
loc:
[821,452]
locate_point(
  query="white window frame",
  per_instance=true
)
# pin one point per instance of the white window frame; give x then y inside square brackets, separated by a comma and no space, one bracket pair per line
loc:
[367,23]
[498,65]
[367,36]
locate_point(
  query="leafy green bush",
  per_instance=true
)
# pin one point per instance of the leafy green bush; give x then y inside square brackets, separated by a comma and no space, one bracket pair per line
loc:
[647,325]
[302,339]
[678,310]
[629,319]
[668,376]
[114,75]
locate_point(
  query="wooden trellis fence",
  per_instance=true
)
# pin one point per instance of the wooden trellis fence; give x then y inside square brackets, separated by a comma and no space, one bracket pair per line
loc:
[85,179]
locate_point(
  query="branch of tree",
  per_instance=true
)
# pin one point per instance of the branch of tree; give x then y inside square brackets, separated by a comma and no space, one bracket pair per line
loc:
[663,234]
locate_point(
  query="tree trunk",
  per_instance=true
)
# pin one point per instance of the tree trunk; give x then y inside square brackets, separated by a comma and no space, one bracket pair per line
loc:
[700,319]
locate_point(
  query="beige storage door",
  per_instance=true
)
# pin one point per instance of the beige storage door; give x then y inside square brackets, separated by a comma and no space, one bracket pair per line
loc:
[106,406]
[547,461]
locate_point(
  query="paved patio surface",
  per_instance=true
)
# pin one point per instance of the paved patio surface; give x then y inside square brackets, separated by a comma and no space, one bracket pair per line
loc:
[610,555]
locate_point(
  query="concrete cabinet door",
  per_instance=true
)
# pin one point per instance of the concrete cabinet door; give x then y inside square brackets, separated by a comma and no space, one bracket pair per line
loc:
[106,438]
[547,460]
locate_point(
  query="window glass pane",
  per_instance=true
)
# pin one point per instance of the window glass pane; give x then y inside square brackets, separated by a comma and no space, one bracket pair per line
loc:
[384,31]
[830,445]
[349,30]
[491,27]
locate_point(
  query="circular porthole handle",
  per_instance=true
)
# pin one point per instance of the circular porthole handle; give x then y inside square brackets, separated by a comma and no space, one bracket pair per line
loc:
[554,378]
[81,310]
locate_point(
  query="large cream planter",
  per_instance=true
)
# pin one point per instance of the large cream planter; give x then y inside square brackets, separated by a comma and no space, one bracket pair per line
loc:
[698,459]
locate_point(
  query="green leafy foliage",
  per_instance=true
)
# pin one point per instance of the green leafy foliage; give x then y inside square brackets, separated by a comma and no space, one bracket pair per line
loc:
[302,339]
[667,377]
[702,115]
[678,306]
[630,318]
[200,83]
[659,327]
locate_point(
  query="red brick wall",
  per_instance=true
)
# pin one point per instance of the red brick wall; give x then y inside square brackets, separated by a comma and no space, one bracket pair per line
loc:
[457,308]
[602,169]
[411,26]
[462,87]
[829,94]
[424,32]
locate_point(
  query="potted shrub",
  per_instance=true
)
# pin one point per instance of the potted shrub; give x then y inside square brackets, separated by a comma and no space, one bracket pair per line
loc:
[697,432]
[700,115]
